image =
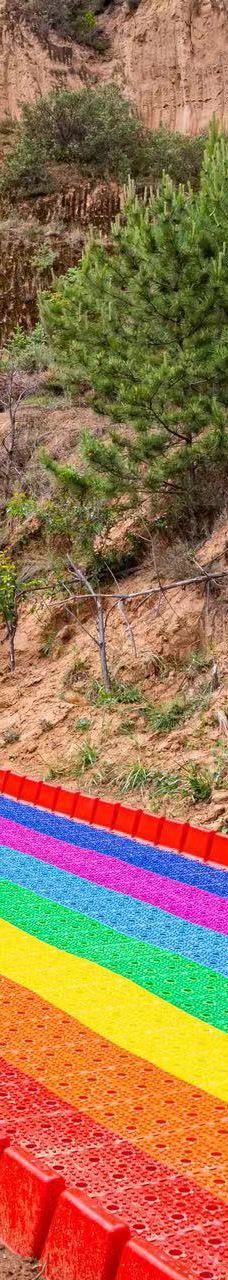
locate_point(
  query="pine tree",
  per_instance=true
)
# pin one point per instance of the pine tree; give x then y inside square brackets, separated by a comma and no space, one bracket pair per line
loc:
[144,322]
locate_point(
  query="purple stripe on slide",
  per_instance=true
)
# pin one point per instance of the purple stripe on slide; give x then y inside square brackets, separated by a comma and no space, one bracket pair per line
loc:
[182,900]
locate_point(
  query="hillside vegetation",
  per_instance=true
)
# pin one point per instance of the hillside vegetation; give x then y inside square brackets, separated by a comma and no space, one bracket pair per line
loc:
[98,131]
[114,461]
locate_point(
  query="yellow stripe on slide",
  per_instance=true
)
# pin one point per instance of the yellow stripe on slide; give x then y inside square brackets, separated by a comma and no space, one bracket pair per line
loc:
[116,1009]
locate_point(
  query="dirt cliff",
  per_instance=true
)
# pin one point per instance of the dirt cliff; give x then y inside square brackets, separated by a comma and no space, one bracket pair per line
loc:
[170,56]
[55,226]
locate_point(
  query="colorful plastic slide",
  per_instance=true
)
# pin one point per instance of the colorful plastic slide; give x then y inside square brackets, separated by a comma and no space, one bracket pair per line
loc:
[113,1039]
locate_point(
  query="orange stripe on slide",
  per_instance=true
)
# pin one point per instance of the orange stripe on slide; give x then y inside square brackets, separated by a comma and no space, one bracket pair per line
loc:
[168,1119]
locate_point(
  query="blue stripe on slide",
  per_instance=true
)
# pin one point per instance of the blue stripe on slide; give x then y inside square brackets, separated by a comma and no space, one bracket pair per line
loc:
[150,857]
[117,910]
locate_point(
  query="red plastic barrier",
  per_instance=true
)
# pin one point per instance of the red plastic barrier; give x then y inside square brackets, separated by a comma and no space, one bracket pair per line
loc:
[149,827]
[106,814]
[74,1238]
[206,845]
[86,808]
[84,1242]
[171,834]
[67,802]
[140,1262]
[30,791]
[28,1196]
[124,820]
[219,849]
[197,842]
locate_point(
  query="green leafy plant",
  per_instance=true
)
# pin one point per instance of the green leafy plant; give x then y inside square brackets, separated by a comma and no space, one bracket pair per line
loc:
[127,727]
[19,506]
[220,770]
[8,602]
[86,758]
[119,693]
[82,723]
[165,718]
[95,129]
[71,20]
[47,644]
[137,777]
[199,784]
[165,782]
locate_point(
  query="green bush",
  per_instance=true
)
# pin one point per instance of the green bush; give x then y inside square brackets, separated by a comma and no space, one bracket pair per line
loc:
[71,19]
[95,129]
[175,154]
[99,131]
[24,171]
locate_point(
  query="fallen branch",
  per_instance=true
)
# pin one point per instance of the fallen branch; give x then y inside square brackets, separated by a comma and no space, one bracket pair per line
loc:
[154,591]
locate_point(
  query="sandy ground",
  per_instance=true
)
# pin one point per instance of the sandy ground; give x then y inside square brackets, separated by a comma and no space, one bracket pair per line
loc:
[12,1268]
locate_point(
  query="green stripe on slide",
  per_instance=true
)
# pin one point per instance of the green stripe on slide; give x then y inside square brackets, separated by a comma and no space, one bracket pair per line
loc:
[193,988]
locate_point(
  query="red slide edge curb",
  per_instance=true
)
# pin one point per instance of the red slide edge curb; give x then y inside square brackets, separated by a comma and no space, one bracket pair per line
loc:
[195,842]
[68,1233]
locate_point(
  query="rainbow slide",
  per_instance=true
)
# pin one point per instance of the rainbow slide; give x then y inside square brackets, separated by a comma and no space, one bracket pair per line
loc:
[113,1022]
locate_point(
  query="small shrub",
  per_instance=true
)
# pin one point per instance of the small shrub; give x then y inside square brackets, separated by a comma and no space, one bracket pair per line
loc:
[128,693]
[81,724]
[11,735]
[87,757]
[119,693]
[126,728]
[165,783]
[200,659]
[199,784]
[220,772]
[24,170]
[47,644]
[138,776]
[19,506]
[163,719]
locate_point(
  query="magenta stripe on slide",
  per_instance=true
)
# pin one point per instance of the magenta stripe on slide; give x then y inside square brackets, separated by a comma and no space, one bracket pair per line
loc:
[182,900]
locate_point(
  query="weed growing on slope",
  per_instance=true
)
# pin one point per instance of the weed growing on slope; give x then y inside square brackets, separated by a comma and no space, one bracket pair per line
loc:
[165,718]
[119,693]
[86,758]
[198,784]
[137,777]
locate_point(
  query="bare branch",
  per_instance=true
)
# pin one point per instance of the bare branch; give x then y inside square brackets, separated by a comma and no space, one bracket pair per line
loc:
[154,591]
[81,577]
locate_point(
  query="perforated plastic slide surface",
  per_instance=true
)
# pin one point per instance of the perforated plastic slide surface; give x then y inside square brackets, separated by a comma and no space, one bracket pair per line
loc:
[113,1031]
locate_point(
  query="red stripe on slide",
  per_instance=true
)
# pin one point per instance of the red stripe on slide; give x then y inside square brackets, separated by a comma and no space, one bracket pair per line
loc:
[168,1210]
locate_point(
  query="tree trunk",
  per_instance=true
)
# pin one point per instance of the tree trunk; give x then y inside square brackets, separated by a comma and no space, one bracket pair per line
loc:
[10,634]
[102,646]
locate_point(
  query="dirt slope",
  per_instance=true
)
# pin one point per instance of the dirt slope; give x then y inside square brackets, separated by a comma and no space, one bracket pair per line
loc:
[170,56]
[53,720]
